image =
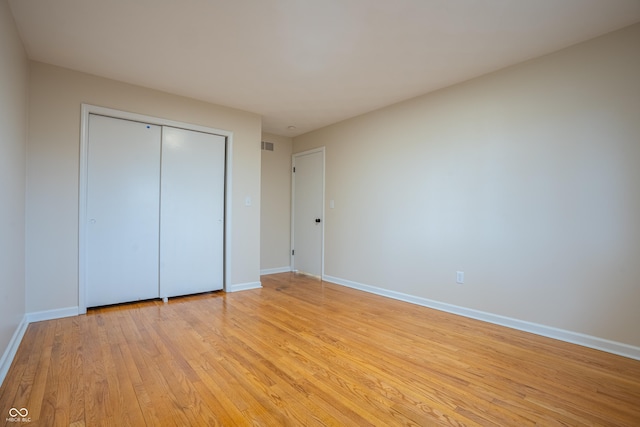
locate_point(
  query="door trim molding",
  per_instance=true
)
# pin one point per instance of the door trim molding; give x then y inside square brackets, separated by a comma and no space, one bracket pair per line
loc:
[293,199]
[86,110]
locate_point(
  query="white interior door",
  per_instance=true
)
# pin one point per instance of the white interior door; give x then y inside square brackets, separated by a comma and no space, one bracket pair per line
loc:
[308,212]
[123,176]
[192,212]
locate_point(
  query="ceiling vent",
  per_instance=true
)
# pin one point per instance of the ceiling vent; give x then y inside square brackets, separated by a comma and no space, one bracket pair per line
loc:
[267,146]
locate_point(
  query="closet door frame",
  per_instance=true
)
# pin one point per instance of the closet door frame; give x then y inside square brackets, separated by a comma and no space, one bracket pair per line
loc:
[88,109]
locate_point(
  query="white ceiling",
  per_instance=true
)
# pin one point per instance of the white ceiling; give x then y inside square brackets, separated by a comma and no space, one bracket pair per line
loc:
[305,63]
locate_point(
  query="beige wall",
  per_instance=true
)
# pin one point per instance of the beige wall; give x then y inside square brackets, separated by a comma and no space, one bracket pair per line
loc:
[275,222]
[13,141]
[52,174]
[527,179]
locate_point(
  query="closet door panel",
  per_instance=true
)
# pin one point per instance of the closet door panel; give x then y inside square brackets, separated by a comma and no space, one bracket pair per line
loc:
[123,198]
[192,212]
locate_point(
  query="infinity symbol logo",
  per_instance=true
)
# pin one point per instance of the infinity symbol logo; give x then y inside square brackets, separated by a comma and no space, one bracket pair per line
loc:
[22,412]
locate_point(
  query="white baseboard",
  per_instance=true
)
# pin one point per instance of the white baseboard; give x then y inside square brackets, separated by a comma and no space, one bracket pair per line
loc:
[275,270]
[245,286]
[614,347]
[12,348]
[39,316]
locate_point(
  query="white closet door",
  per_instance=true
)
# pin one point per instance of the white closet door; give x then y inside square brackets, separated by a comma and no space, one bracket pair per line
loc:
[122,211]
[192,212]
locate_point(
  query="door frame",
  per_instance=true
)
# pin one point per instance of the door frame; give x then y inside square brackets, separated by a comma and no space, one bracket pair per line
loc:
[86,110]
[293,198]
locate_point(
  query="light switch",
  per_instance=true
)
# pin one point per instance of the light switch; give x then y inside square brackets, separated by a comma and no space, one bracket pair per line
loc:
[332,204]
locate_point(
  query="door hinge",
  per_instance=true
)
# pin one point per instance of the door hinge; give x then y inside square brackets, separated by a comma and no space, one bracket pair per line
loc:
[293,252]
[294,169]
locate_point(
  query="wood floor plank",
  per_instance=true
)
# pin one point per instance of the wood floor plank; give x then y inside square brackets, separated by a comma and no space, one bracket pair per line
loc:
[15,388]
[347,372]
[56,401]
[342,353]
[36,400]
[301,351]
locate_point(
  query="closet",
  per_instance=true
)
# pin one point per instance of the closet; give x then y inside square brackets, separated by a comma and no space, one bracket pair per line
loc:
[154,211]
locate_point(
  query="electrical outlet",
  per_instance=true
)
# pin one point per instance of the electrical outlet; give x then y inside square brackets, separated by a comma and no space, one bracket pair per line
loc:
[459,276]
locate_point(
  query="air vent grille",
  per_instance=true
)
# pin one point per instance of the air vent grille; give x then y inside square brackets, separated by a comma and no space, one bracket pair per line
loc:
[267,146]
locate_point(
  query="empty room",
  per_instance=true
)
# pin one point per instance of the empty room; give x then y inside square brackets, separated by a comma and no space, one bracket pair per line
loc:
[312,213]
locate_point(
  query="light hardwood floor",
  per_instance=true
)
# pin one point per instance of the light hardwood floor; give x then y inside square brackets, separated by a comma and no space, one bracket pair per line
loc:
[303,352]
